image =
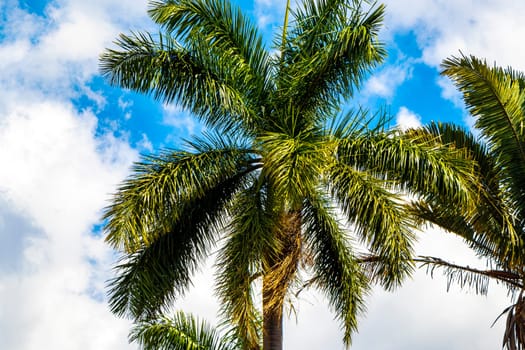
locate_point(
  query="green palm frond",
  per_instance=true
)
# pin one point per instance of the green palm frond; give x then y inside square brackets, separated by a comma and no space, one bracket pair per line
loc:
[416,162]
[149,278]
[496,98]
[488,173]
[225,29]
[173,206]
[336,272]
[181,332]
[239,261]
[293,163]
[171,73]
[230,43]
[380,219]
[469,277]
[331,49]
[490,229]
[163,188]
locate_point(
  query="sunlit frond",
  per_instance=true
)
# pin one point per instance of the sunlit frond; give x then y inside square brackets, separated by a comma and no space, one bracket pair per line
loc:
[169,72]
[163,188]
[380,219]
[330,50]
[181,332]
[495,97]
[223,26]
[153,275]
[336,272]
[240,261]
[490,229]
[293,163]
[415,162]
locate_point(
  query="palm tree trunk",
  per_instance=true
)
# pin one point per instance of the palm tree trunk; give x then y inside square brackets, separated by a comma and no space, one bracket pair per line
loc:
[277,280]
[272,322]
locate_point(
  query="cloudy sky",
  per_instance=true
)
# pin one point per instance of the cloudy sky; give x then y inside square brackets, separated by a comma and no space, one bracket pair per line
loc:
[67,139]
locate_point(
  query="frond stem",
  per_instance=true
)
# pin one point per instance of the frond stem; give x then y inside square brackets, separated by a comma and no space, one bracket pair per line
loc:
[285,28]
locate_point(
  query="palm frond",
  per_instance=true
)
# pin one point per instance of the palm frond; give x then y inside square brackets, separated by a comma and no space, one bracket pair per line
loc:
[181,332]
[240,262]
[162,189]
[293,163]
[496,98]
[491,228]
[154,275]
[380,219]
[488,173]
[469,277]
[355,123]
[225,29]
[230,43]
[331,49]
[415,162]
[514,337]
[336,272]
[166,217]
[161,67]
[477,230]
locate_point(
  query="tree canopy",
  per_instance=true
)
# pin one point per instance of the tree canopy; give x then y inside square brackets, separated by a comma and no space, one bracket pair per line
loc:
[495,98]
[285,181]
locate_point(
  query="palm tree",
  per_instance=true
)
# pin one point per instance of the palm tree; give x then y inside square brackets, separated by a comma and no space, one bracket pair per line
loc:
[181,332]
[281,168]
[495,97]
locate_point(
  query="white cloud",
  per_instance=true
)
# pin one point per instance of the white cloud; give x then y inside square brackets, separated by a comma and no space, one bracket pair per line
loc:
[406,119]
[174,116]
[57,179]
[124,104]
[271,13]
[145,144]
[450,92]
[58,171]
[52,139]
[55,53]
[486,29]
[443,28]
[385,82]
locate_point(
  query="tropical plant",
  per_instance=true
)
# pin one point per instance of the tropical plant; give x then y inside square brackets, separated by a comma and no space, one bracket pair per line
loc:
[495,97]
[281,168]
[180,332]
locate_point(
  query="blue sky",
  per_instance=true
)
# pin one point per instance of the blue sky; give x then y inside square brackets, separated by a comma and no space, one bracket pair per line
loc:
[67,139]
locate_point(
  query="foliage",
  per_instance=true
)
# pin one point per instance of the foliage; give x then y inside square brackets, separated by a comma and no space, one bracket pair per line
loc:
[283,174]
[181,332]
[495,97]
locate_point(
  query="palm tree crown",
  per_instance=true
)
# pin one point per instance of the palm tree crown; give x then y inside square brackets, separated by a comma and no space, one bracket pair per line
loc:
[495,97]
[279,171]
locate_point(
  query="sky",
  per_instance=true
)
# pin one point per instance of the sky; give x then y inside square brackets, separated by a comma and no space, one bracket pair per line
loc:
[67,139]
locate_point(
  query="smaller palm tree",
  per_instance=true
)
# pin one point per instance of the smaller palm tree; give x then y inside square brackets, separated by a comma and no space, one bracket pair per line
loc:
[495,97]
[181,332]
